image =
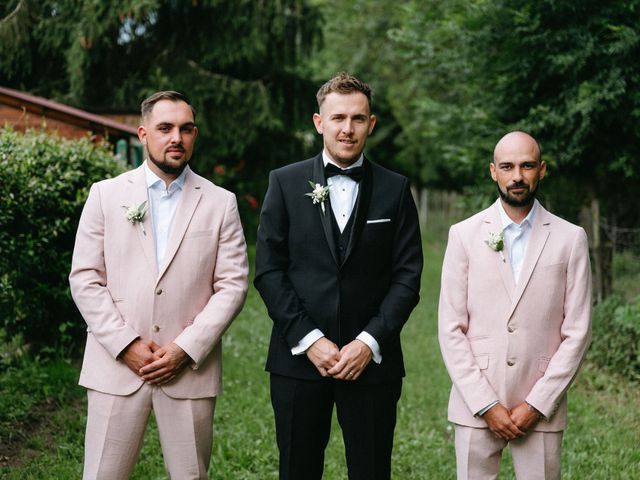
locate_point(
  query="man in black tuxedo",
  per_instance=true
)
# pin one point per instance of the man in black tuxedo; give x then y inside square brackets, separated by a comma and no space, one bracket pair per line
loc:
[338,264]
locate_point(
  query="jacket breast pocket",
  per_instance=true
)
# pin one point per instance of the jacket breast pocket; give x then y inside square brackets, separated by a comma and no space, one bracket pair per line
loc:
[378,237]
[199,233]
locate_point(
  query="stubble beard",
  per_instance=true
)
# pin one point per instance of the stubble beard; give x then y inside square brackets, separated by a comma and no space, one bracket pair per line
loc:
[345,161]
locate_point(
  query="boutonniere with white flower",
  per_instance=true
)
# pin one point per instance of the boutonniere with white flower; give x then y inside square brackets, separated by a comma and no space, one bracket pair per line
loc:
[135,214]
[319,194]
[496,243]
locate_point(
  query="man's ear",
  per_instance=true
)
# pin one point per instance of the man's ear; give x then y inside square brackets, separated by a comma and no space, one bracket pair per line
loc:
[372,123]
[543,170]
[492,169]
[317,121]
[142,134]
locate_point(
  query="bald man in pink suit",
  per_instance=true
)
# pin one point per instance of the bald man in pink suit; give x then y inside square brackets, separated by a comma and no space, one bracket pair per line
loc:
[159,272]
[514,322]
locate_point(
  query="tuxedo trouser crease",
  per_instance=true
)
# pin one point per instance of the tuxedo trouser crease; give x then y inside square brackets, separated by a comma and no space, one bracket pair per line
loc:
[535,456]
[116,426]
[303,411]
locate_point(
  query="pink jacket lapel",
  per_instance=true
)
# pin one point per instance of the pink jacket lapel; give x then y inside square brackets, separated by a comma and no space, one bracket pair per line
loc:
[493,225]
[139,194]
[189,200]
[538,240]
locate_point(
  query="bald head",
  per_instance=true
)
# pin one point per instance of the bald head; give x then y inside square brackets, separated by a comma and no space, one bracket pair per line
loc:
[517,169]
[519,143]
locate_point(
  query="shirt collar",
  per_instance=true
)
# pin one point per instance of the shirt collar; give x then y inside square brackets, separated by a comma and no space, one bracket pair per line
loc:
[326,159]
[507,222]
[154,181]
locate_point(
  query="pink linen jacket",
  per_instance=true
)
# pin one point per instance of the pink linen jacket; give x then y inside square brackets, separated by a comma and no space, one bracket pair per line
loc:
[119,291]
[508,342]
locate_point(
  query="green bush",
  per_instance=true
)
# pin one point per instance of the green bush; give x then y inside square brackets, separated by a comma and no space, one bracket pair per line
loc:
[615,343]
[44,182]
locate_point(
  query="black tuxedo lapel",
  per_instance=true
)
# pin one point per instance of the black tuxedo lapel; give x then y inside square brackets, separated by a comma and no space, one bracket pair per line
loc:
[325,218]
[361,208]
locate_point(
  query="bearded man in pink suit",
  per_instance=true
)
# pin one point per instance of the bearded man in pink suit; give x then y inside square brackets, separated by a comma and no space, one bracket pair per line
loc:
[159,272]
[514,322]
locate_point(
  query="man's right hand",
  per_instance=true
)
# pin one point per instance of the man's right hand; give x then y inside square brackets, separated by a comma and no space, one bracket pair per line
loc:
[138,354]
[324,354]
[499,420]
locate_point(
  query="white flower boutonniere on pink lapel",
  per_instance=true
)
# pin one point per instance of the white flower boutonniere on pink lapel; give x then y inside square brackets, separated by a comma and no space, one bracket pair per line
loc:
[135,214]
[319,194]
[496,243]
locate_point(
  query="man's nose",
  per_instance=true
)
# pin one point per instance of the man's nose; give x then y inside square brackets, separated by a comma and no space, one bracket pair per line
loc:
[176,136]
[517,174]
[347,126]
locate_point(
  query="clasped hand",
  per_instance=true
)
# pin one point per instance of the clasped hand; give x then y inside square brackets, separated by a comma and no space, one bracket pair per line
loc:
[509,425]
[346,363]
[153,363]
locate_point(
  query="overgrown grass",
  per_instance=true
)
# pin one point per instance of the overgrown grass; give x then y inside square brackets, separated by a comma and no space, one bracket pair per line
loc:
[600,443]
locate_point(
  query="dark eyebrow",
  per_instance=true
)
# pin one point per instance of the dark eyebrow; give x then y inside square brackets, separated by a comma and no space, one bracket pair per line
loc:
[169,124]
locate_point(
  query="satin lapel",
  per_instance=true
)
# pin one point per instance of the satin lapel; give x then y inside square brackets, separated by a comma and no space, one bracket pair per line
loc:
[538,240]
[317,176]
[139,194]
[361,207]
[493,225]
[189,200]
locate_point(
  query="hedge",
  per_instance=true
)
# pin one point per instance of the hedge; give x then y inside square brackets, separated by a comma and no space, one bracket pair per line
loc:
[44,181]
[615,343]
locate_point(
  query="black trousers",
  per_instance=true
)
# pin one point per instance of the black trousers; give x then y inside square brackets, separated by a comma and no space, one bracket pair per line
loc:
[366,414]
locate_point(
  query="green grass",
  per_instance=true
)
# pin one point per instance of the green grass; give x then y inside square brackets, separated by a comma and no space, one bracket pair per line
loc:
[600,443]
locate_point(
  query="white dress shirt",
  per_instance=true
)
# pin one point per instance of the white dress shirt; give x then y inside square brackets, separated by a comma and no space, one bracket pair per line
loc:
[516,239]
[343,193]
[163,203]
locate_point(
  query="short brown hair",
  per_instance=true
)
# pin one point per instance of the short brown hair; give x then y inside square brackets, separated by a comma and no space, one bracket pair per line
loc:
[345,84]
[147,105]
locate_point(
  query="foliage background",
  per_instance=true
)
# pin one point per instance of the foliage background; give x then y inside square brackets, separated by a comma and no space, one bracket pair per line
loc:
[44,182]
[449,76]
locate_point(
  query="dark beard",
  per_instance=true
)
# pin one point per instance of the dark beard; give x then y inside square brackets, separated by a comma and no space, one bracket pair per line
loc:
[166,168]
[513,202]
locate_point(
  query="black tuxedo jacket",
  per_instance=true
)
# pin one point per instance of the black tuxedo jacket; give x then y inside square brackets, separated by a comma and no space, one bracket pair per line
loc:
[303,284]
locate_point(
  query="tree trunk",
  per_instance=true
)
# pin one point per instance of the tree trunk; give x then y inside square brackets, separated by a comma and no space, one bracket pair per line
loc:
[601,251]
[420,197]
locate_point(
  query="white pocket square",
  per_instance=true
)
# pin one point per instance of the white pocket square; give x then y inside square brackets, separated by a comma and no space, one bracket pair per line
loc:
[379,220]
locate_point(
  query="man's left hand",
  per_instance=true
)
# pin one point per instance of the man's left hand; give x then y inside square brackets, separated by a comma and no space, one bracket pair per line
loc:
[172,360]
[524,416]
[354,358]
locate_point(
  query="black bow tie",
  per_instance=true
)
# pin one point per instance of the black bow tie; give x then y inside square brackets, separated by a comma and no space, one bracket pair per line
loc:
[355,173]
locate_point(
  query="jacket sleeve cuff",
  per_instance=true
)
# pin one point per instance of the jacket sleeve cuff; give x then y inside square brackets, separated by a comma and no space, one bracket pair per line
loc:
[372,343]
[486,409]
[308,340]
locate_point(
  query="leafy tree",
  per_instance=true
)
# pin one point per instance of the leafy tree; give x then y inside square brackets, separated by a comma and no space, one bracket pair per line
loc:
[356,40]
[241,62]
[457,75]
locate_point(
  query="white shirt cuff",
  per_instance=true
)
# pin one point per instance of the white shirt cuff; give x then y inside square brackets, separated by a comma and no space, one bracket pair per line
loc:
[372,344]
[486,409]
[308,340]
